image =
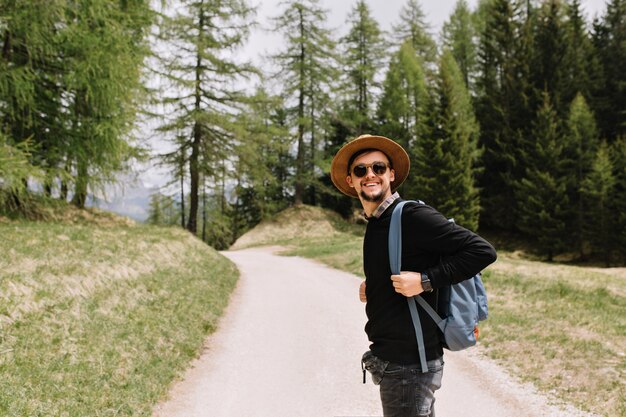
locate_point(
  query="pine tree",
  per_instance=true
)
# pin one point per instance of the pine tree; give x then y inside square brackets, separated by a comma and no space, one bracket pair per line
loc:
[617,199]
[414,28]
[550,54]
[308,69]
[502,108]
[597,188]
[579,59]
[459,36]
[542,190]
[201,99]
[364,54]
[445,162]
[580,146]
[609,95]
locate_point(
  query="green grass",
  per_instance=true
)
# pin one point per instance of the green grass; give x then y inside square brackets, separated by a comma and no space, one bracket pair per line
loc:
[560,335]
[338,252]
[560,327]
[342,250]
[98,321]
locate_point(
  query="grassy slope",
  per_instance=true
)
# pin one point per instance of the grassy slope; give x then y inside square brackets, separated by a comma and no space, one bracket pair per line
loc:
[561,327]
[97,320]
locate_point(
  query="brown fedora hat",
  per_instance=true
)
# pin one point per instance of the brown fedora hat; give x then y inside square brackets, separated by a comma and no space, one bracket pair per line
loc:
[398,157]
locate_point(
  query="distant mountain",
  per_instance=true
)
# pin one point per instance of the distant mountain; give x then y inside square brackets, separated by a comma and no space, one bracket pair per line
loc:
[131,199]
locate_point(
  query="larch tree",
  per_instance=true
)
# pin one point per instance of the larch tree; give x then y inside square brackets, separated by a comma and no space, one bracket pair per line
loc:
[307,71]
[459,36]
[414,28]
[15,166]
[364,55]
[31,81]
[178,163]
[203,94]
[262,160]
[71,81]
[162,210]
[105,52]
[155,215]
[403,107]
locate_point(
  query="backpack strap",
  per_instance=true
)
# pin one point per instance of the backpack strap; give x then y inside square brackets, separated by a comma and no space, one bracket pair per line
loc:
[395,262]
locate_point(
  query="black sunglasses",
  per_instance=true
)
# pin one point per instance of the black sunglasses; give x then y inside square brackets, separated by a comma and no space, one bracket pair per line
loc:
[378,168]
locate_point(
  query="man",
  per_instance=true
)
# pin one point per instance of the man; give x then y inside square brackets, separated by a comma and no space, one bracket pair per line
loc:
[435,253]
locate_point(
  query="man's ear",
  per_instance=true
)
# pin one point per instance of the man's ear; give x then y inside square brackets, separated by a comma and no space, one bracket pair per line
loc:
[392,175]
[349,181]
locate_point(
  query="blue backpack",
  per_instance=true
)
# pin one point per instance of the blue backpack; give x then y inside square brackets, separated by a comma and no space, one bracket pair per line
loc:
[461,306]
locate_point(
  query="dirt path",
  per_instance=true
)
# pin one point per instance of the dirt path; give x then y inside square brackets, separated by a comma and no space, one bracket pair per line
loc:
[290,345]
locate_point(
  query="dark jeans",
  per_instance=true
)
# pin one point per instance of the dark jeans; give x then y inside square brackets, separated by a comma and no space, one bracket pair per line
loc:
[406,391]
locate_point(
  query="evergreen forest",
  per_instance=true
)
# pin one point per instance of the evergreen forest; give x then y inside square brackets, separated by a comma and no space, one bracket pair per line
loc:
[514,115]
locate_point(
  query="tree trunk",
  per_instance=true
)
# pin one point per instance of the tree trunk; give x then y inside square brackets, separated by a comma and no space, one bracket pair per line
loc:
[237,212]
[312,173]
[64,191]
[300,156]
[194,177]
[223,201]
[204,209]
[182,194]
[64,186]
[197,138]
[80,191]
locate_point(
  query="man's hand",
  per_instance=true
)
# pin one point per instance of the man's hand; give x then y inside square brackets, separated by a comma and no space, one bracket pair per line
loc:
[408,283]
[362,292]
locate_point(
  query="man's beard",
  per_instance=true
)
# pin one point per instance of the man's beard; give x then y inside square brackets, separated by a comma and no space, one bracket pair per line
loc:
[376,198]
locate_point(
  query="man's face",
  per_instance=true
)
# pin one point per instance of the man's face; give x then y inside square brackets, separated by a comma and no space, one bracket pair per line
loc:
[371,187]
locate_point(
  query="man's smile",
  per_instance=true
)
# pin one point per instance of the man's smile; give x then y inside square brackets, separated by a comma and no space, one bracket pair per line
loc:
[370,183]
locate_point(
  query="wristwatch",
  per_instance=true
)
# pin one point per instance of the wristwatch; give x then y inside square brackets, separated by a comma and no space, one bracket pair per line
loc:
[426,285]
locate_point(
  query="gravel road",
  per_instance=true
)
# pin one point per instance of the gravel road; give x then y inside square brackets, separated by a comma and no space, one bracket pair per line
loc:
[290,344]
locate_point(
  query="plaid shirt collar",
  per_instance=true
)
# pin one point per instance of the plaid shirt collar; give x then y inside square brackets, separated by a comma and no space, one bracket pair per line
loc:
[383,206]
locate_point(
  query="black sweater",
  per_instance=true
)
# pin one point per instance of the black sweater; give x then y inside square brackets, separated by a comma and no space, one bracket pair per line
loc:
[445,251]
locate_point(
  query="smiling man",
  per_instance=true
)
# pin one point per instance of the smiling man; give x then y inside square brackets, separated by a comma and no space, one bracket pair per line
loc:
[435,253]
[370,183]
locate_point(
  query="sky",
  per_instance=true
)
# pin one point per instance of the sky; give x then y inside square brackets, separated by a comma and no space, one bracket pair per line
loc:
[262,42]
[385,12]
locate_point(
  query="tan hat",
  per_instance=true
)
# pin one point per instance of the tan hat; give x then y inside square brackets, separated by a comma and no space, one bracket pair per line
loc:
[398,157]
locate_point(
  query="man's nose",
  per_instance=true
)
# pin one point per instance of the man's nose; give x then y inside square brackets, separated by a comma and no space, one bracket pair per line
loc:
[370,172]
